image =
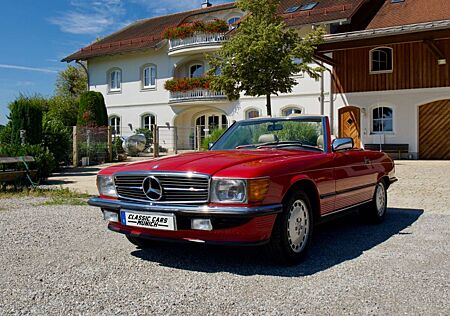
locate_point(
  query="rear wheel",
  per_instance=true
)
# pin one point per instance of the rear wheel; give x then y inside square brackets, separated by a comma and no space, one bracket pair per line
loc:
[141,242]
[293,229]
[376,209]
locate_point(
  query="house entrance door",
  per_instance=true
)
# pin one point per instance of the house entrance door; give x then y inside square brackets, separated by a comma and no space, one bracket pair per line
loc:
[207,123]
[350,124]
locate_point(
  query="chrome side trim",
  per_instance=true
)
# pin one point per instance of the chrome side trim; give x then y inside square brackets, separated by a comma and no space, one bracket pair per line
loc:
[187,209]
[345,208]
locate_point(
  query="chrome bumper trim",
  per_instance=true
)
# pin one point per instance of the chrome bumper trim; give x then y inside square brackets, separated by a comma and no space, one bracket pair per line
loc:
[187,209]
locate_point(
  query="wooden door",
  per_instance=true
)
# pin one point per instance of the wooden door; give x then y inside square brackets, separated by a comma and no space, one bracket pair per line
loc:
[434,130]
[350,124]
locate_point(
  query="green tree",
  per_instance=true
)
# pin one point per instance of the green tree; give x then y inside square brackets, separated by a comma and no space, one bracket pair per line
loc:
[26,114]
[92,110]
[263,55]
[71,82]
[63,109]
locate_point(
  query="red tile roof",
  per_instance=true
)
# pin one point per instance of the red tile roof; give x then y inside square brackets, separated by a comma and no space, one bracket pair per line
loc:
[410,12]
[147,34]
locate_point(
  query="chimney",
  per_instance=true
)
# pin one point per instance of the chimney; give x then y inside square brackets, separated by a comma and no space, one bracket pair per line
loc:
[206,4]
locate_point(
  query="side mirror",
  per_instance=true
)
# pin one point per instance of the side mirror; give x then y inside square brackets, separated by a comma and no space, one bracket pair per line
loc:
[340,144]
[210,145]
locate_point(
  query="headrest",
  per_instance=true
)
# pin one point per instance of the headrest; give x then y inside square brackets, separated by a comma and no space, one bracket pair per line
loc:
[267,138]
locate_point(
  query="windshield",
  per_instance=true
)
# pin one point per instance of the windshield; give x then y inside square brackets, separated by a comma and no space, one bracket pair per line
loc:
[292,133]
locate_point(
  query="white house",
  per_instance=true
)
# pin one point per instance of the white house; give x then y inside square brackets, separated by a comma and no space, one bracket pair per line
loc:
[131,66]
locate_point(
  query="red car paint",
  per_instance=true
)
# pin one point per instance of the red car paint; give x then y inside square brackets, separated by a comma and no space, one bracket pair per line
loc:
[339,180]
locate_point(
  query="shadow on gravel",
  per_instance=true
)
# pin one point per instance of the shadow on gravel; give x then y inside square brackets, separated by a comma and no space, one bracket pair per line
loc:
[334,242]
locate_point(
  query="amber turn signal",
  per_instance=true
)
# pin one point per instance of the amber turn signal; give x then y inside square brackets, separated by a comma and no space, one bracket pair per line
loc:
[257,189]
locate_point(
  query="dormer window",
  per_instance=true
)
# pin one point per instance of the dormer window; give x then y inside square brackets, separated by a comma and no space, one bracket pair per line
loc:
[115,80]
[232,22]
[149,77]
[381,60]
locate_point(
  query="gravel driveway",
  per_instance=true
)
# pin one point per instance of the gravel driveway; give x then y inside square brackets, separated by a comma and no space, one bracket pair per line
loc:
[62,260]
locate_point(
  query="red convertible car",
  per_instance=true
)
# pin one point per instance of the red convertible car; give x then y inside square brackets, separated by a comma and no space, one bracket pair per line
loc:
[265,181]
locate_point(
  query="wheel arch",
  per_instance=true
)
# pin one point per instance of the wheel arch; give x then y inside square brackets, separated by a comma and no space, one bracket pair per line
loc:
[310,189]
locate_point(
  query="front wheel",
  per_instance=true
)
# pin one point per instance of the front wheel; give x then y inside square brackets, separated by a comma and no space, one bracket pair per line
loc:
[293,229]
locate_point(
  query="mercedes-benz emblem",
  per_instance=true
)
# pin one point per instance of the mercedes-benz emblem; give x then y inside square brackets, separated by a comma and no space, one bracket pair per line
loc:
[152,188]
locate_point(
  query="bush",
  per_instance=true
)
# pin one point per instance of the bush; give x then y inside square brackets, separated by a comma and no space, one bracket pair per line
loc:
[212,138]
[148,136]
[26,114]
[6,134]
[44,160]
[92,110]
[186,84]
[63,109]
[57,138]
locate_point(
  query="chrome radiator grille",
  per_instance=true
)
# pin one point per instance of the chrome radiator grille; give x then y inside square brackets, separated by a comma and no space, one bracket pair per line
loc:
[176,187]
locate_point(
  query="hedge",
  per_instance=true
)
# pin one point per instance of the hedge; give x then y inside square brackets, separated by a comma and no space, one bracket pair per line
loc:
[92,110]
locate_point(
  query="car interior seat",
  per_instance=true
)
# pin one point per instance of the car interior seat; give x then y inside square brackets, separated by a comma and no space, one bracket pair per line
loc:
[267,138]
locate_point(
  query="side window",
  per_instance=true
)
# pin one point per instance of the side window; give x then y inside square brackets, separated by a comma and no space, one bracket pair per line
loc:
[381,60]
[232,22]
[115,80]
[251,113]
[114,122]
[196,71]
[149,77]
[291,111]
[382,120]
[147,121]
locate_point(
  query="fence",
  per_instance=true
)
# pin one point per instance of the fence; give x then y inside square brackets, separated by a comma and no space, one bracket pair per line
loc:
[92,145]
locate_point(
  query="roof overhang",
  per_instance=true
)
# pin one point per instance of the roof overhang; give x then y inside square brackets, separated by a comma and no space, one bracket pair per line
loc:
[389,35]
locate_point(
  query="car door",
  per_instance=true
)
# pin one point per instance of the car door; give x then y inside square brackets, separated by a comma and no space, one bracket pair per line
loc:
[354,176]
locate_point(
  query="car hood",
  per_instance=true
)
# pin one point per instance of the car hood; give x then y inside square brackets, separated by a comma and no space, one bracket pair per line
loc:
[210,162]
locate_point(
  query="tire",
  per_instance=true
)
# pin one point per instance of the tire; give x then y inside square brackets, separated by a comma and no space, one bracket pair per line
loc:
[292,232]
[377,208]
[141,243]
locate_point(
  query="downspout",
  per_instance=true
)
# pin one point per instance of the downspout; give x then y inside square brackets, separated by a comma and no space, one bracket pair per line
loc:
[86,71]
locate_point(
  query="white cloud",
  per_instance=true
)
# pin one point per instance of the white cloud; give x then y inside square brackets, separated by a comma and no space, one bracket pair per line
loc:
[18,67]
[89,17]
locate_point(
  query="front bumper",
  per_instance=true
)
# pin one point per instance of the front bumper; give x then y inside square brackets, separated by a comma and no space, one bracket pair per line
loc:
[235,225]
[202,210]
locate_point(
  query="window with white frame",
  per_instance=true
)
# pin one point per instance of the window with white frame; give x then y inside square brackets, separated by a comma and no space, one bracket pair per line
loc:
[196,71]
[147,121]
[114,122]
[232,22]
[381,60]
[115,80]
[149,77]
[251,113]
[290,111]
[382,120]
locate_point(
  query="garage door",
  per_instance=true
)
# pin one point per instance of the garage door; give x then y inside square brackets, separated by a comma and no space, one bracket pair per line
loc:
[434,130]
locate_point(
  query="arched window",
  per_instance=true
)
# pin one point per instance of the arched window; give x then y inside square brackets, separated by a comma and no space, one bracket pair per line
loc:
[381,60]
[290,111]
[147,121]
[114,122]
[232,22]
[115,80]
[251,113]
[196,71]
[149,77]
[382,120]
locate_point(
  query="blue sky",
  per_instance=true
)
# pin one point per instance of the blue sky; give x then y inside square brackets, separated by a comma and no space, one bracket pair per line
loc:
[36,35]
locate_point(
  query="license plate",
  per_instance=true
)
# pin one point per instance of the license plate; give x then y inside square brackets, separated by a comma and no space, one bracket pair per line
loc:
[148,220]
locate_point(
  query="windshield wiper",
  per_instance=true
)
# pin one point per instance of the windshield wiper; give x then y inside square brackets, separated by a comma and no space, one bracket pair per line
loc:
[245,146]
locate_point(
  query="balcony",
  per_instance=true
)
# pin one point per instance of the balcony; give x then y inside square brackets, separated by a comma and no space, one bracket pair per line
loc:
[197,43]
[196,95]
